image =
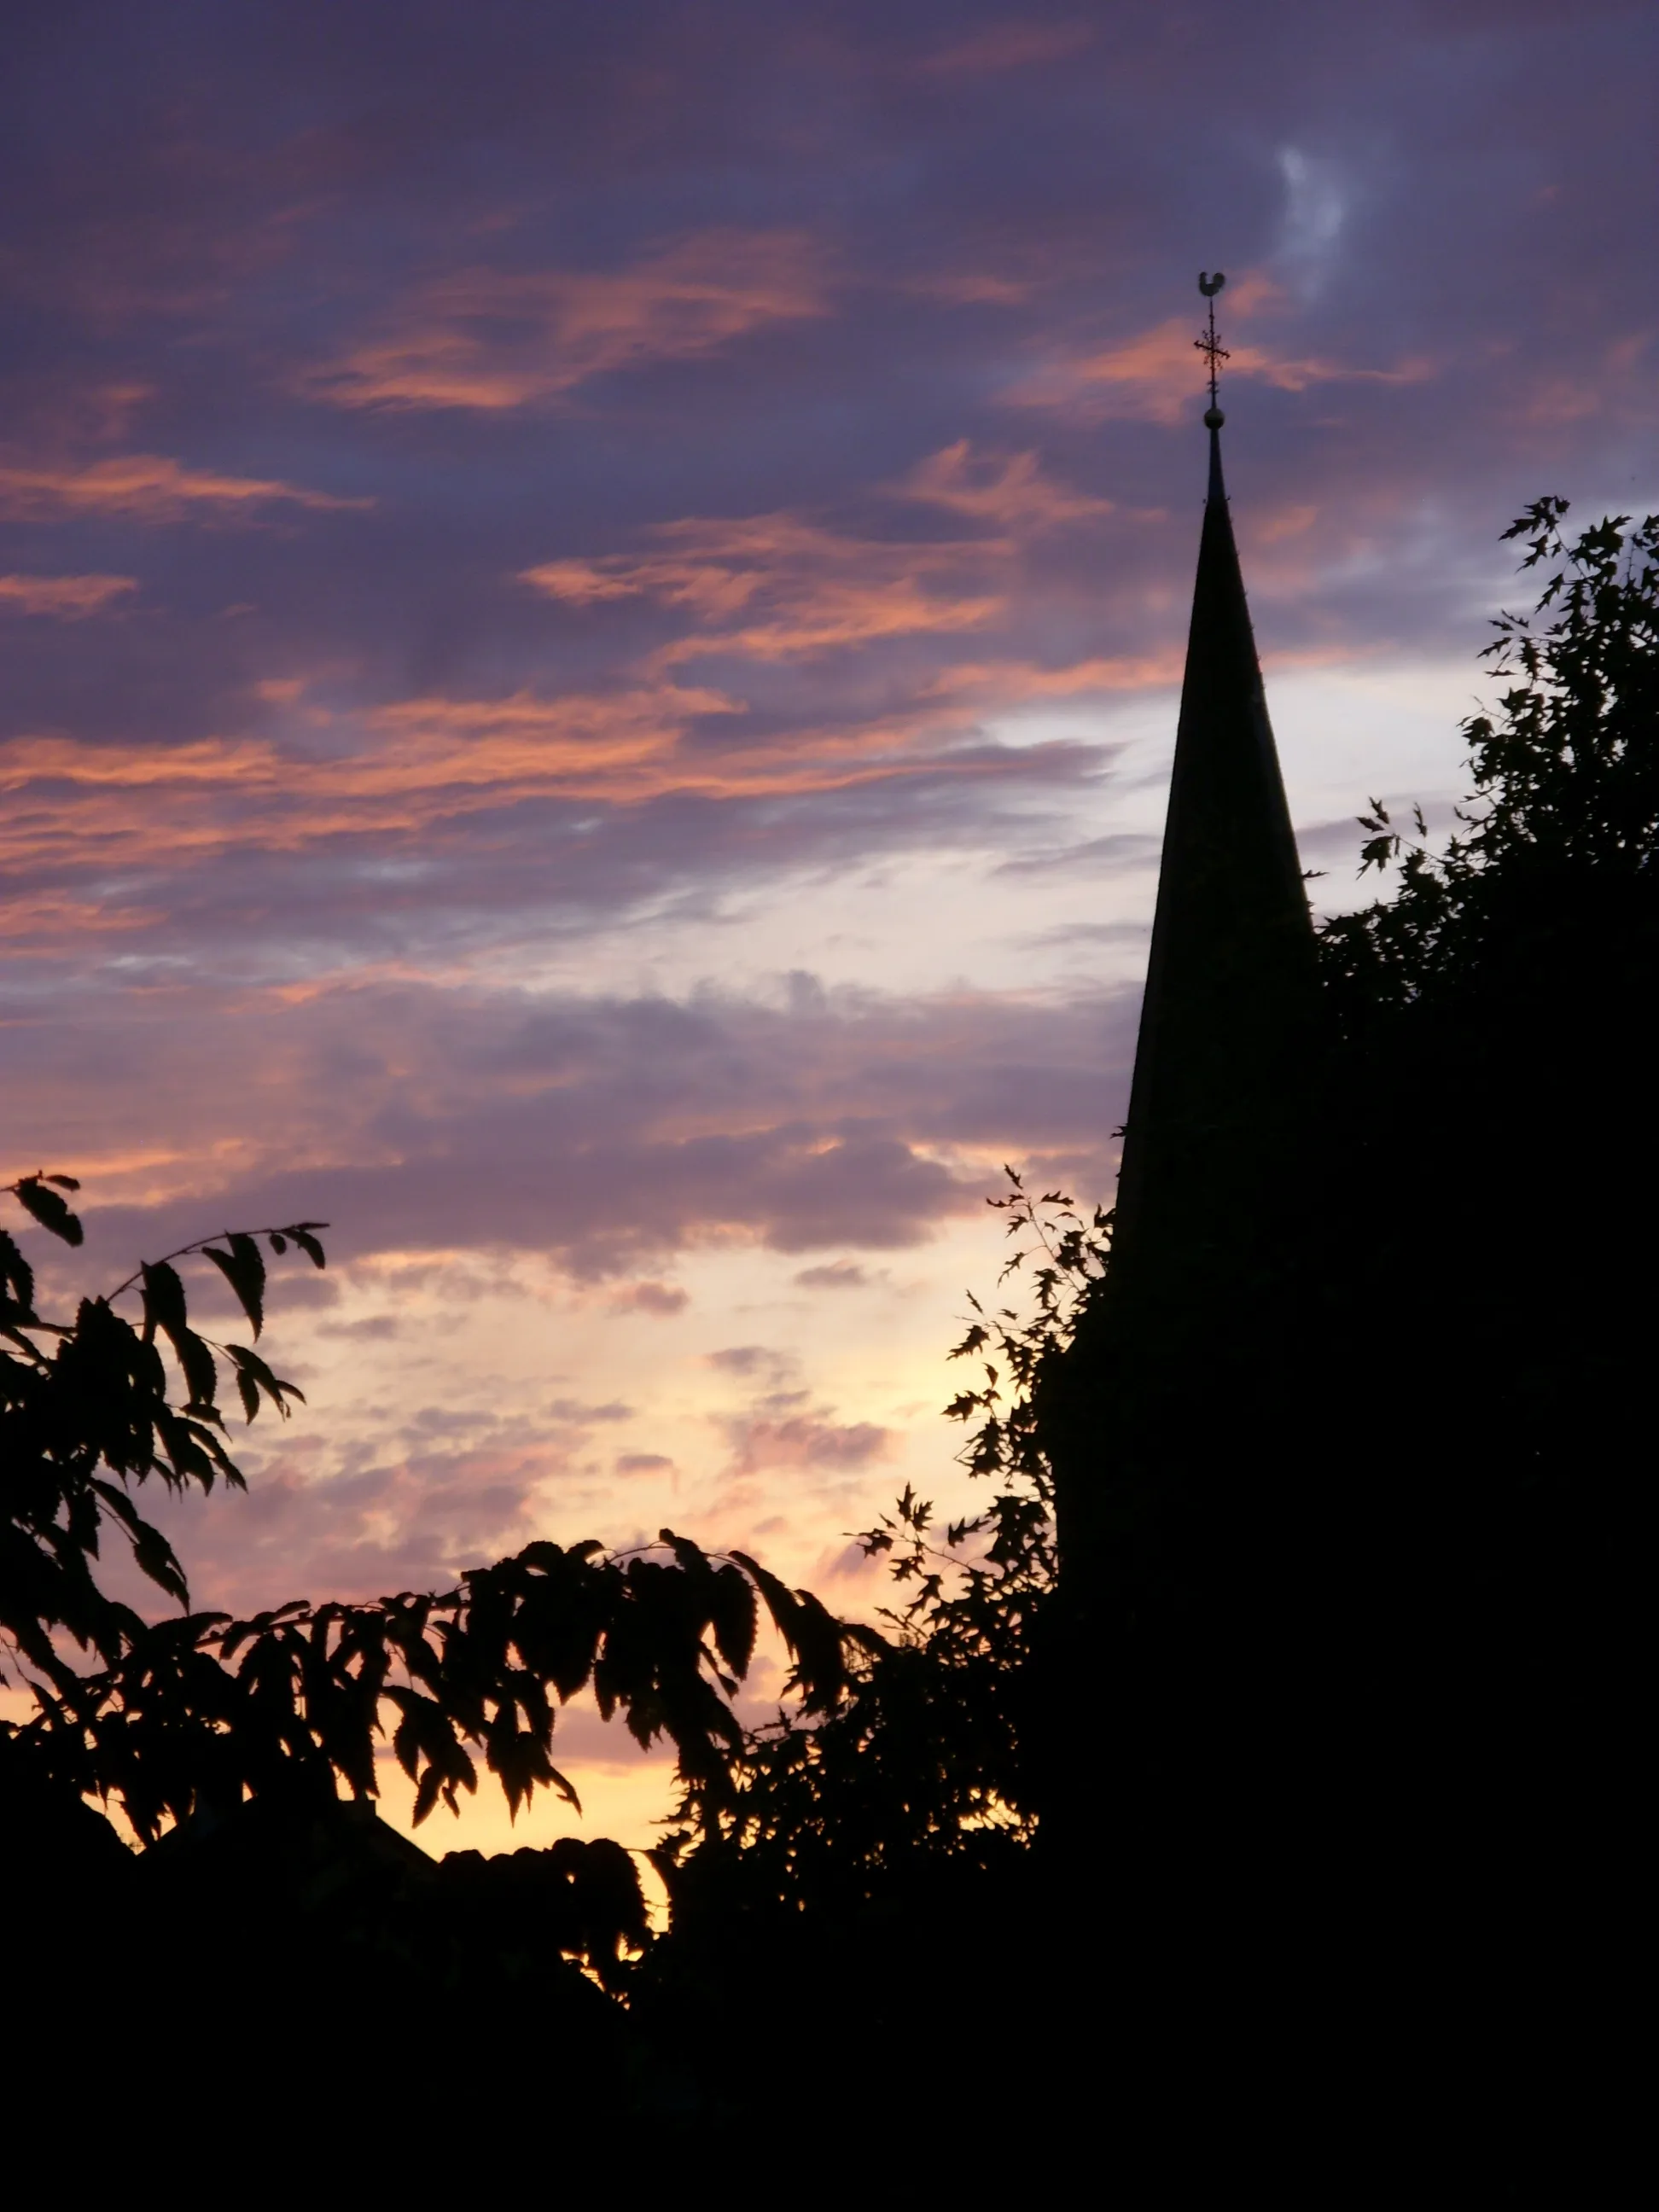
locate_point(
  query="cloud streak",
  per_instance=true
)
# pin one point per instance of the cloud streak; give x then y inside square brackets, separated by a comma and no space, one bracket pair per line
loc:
[493,339]
[70,599]
[794,589]
[146,487]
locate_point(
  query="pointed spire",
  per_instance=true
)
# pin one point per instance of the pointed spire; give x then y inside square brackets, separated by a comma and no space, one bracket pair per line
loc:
[1151,1416]
[1231,986]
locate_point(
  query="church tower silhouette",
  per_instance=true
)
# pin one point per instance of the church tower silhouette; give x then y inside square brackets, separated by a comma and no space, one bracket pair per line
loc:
[1231,981]
[1160,1736]
[1331,1711]
[1147,1404]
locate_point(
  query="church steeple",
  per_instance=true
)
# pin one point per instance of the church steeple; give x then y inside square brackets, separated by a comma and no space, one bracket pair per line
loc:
[1153,1418]
[1231,983]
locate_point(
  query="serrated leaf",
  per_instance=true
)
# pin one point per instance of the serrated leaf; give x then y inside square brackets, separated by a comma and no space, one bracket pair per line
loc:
[197,1364]
[781,1602]
[163,1294]
[182,1441]
[244,1269]
[36,1198]
[151,1551]
[300,1232]
[734,1618]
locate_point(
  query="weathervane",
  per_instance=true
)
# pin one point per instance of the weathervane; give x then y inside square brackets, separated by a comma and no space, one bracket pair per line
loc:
[1212,348]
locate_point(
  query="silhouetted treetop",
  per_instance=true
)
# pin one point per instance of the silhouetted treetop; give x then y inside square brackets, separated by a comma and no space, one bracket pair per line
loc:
[1565,771]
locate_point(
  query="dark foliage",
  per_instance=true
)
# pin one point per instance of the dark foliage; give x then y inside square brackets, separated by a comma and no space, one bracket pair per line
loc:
[288,1981]
[1492,1076]
[87,1414]
[1335,1693]
[923,1770]
[200,1709]
[229,1742]
[1565,788]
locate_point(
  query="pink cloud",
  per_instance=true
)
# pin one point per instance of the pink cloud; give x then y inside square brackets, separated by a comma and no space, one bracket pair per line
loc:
[1009,490]
[494,340]
[835,1275]
[805,589]
[651,1298]
[70,597]
[189,822]
[769,1442]
[147,486]
[642,1463]
[779,587]
[1619,381]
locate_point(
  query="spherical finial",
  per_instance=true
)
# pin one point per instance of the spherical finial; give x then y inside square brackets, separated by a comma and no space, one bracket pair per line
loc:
[1214,418]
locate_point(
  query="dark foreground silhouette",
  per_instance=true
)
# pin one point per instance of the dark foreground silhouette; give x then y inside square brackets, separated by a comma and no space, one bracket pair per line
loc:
[1290,1826]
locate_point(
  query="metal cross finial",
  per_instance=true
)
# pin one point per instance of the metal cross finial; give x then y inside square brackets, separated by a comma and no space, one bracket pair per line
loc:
[1211,346]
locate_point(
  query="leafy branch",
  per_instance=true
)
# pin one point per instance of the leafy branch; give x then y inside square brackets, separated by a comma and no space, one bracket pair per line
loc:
[87,1411]
[201,1708]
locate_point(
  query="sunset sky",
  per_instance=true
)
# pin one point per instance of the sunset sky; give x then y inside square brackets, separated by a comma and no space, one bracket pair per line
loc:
[591,599]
